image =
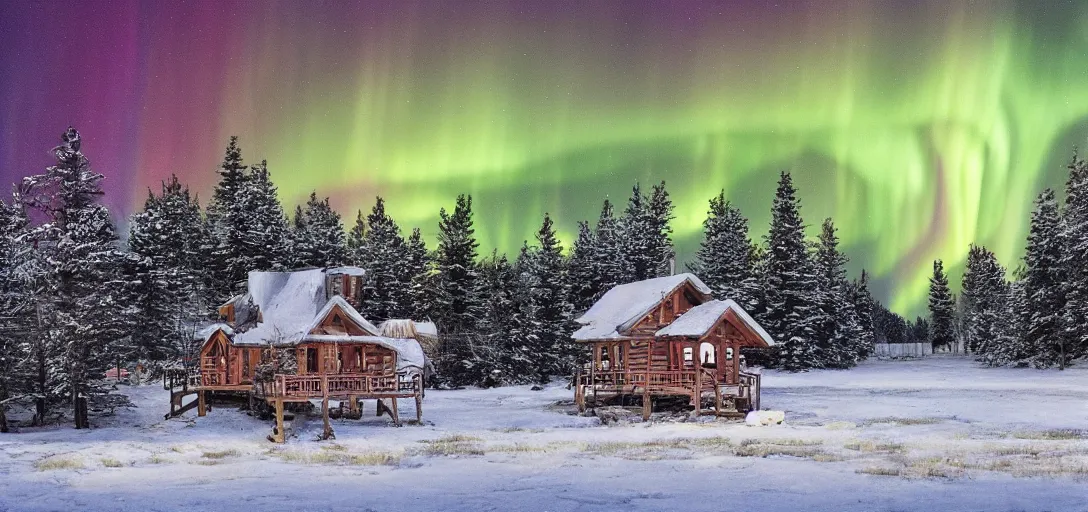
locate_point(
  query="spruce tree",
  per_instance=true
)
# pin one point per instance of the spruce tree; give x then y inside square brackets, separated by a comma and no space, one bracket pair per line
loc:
[793,313]
[840,328]
[606,262]
[942,307]
[1043,303]
[971,294]
[635,244]
[319,236]
[454,300]
[583,277]
[82,273]
[863,303]
[165,279]
[16,307]
[726,256]
[225,226]
[548,295]
[384,255]
[1074,263]
[420,276]
[660,210]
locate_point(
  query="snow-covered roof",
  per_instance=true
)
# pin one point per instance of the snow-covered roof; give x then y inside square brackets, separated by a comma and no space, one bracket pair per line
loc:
[207,331]
[427,328]
[409,352]
[698,321]
[288,302]
[624,305]
[354,315]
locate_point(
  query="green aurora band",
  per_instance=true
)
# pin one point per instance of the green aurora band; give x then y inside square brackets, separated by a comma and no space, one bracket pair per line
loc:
[919,127]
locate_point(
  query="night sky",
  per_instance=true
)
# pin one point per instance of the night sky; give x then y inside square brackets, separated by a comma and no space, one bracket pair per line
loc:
[920,127]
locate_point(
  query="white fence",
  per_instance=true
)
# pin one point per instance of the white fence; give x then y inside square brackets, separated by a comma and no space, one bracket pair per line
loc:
[902,349]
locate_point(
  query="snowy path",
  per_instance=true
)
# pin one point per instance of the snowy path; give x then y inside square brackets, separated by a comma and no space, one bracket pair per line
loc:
[958,436]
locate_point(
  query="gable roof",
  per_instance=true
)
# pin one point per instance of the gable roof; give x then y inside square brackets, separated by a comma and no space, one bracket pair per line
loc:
[699,320]
[287,302]
[624,305]
[350,312]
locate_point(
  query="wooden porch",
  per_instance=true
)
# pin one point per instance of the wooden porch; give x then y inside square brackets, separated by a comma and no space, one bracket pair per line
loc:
[707,393]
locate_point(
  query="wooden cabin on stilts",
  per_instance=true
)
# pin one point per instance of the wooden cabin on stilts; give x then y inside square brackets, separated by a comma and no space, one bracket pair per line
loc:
[666,338]
[296,337]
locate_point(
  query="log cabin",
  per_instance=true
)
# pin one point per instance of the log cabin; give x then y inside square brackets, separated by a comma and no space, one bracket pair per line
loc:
[309,319]
[667,338]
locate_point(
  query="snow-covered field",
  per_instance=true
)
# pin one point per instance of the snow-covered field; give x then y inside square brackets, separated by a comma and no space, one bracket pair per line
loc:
[936,434]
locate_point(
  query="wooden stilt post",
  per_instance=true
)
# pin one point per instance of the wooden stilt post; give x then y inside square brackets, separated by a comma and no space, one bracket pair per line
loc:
[717,399]
[419,398]
[327,433]
[647,405]
[353,406]
[202,406]
[381,406]
[697,396]
[395,414]
[278,434]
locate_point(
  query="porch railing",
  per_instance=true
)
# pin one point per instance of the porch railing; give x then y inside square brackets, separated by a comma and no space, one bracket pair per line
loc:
[342,385]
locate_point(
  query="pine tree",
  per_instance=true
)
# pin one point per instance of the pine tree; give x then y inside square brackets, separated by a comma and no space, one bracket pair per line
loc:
[840,329]
[384,255]
[606,262]
[793,314]
[319,236]
[165,282]
[942,307]
[1043,303]
[634,240]
[863,303]
[82,261]
[971,292]
[726,256]
[16,307]
[454,301]
[660,209]
[225,218]
[583,277]
[1074,263]
[420,275]
[551,320]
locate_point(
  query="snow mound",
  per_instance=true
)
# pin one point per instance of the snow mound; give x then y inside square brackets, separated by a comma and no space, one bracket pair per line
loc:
[764,418]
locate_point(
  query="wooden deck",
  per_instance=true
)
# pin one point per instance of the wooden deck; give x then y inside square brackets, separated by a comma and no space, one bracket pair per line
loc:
[701,385]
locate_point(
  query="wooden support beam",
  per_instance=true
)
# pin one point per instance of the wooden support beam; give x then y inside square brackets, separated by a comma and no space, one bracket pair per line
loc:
[202,405]
[353,405]
[278,433]
[419,398]
[396,416]
[647,405]
[381,408]
[327,433]
[717,399]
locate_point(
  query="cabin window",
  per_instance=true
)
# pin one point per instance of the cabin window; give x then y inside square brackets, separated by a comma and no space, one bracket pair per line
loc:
[245,363]
[729,353]
[688,355]
[708,354]
[619,356]
[311,360]
[358,357]
[605,362]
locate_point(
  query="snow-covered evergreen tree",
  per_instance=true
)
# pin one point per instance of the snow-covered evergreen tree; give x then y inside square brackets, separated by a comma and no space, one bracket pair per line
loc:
[942,308]
[864,303]
[319,239]
[1043,279]
[165,280]
[420,275]
[583,277]
[455,260]
[971,292]
[660,209]
[225,226]
[793,313]
[16,307]
[551,323]
[726,255]
[384,255]
[840,329]
[1074,262]
[607,263]
[82,272]
[635,231]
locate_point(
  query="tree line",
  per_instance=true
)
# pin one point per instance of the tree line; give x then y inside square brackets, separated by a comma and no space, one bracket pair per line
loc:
[76,301]
[1039,317]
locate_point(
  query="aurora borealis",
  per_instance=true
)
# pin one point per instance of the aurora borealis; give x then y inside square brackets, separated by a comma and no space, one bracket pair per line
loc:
[920,127]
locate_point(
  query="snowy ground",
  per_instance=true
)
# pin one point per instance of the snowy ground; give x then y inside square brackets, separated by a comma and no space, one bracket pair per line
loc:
[936,434]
